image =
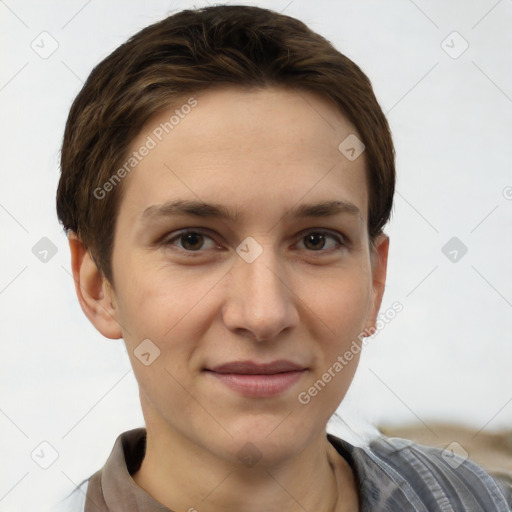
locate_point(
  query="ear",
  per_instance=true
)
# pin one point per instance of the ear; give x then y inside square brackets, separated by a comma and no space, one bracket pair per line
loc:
[379,263]
[94,292]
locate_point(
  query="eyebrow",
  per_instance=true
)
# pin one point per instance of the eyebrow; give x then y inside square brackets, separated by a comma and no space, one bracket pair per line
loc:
[182,207]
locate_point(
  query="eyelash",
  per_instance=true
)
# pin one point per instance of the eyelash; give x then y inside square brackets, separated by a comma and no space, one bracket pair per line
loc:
[340,239]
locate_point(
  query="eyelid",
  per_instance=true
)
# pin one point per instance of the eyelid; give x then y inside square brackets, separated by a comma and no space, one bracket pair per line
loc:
[343,239]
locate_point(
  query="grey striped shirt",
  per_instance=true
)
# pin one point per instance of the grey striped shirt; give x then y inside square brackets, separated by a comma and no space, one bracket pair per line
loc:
[391,474]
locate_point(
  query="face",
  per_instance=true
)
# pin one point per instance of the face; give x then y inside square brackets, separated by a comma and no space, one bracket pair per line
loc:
[251,300]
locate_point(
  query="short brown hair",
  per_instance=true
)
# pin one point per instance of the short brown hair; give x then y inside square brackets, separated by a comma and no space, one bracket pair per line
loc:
[188,52]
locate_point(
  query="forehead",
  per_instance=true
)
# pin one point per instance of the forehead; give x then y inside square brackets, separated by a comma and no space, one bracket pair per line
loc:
[252,149]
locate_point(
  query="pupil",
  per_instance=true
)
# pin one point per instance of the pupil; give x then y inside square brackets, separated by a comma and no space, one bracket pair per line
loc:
[193,238]
[313,238]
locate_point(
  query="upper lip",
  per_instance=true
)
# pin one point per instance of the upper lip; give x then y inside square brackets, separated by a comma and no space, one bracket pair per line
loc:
[253,368]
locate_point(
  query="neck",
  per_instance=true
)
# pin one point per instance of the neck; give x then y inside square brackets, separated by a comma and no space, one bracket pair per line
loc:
[189,478]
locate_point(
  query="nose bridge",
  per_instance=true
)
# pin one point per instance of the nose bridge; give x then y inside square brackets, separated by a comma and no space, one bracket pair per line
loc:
[260,301]
[263,279]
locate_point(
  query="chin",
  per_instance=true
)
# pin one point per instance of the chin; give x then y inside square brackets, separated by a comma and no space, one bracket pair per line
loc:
[269,440]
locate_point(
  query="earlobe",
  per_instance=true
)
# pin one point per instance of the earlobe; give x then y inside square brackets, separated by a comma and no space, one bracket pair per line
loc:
[94,292]
[379,261]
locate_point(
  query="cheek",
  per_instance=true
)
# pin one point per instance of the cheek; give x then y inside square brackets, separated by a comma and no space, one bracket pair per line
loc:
[159,302]
[339,311]
[173,307]
[162,310]
[342,303]
[174,310]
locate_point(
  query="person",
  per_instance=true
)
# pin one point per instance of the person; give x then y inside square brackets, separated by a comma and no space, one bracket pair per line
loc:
[226,177]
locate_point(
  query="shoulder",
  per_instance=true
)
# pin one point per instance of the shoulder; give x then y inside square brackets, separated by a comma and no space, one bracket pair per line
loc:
[438,479]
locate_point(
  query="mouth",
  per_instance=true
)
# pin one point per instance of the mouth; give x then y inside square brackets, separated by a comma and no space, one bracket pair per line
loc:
[258,379]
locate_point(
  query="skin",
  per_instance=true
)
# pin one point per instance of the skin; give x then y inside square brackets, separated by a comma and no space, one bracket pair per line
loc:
[262,152]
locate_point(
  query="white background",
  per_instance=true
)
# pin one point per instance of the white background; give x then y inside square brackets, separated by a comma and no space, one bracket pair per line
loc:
[446,356]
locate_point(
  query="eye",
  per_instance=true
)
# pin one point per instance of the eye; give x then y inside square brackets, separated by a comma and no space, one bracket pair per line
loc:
[190,241]
[316,241]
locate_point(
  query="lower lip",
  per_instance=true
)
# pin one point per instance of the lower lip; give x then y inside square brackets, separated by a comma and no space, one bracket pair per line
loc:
[259,385]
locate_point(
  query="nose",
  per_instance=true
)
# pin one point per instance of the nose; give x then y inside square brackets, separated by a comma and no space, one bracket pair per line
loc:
[260,303]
